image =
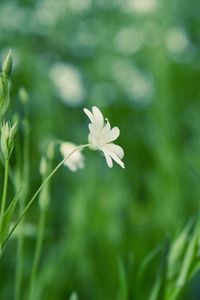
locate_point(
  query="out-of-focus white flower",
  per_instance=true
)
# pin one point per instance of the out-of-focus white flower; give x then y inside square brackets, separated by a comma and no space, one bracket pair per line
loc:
[140,6]
[79,5]
[177,40]
[137,84]
[76,160]
[101,137]
[68,82]
[128,40]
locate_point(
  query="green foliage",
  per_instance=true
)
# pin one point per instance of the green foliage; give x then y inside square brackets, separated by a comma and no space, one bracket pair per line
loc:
[177,265]
[7,218]
[123,289]
[139,62]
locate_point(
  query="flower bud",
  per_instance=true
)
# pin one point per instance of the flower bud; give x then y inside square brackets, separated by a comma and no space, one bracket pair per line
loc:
[13,131]
[26,126]
[43,166]
[23,95]
[50,151]
[7,138]
[7,64]
[4,95]
[44,198]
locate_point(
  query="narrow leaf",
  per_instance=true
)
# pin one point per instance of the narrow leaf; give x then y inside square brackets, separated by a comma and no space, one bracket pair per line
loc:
[123,289]
[188,259]
[177,249]
[7,217]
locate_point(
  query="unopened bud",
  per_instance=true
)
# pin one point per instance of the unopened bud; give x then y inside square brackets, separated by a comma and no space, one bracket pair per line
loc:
[50,151]
[4,95]
[23,95]
[7,138]
[44,198]
[26,126]
[13,131]
[7,64]
[43,166]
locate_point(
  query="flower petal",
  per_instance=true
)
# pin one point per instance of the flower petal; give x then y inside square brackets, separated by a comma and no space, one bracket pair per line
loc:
[113,134]
[108,159]
[105,130]
[76,160]
[98,115]
[115,149]
[89,114]
[116,159]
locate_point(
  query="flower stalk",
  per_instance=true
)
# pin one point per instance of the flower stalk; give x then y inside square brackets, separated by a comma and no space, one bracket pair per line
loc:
[24,178]
[45,169]
[39,190]
[5,188]
[38,250]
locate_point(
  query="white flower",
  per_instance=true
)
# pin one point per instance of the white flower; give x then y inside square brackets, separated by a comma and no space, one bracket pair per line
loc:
[101,137]
[76,160]
[67,80]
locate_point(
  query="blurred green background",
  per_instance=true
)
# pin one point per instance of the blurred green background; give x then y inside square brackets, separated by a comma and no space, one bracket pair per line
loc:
[139,62]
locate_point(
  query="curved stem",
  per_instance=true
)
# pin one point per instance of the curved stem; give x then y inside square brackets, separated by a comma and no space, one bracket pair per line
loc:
[40,188]
[5,187]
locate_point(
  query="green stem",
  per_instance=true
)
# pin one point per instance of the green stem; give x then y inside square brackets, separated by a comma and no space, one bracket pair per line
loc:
[43,197]
[11,175]
[5,188]
[19,265]
[20,242]
[40,188]
[37,252]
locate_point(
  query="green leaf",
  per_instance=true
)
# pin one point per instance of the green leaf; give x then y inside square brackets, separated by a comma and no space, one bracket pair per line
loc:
[155,290]
[7,218]
[123,289]
[188,259]
[194,270]
[147,261]
[187,262]
[177,249]
[159,287]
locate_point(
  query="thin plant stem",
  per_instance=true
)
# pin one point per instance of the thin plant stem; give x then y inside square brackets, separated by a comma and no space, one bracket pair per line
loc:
[11,176]
[5,188]
[20,241]
[40,188]
[37,254]
[43,197]
[19,265]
